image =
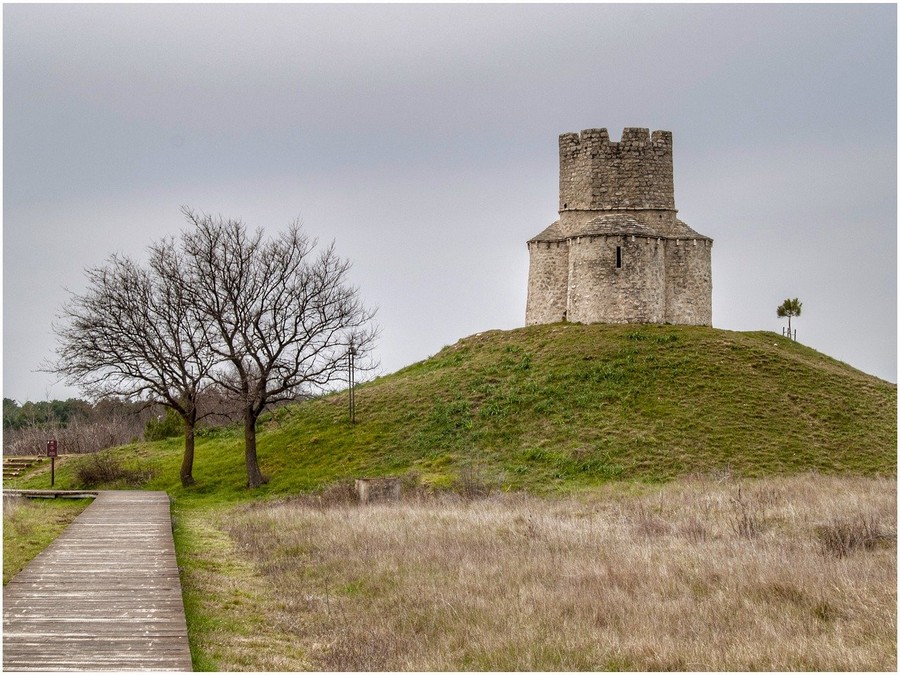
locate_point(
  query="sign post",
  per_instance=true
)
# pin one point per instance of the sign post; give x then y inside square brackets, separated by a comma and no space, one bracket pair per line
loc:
[51,453]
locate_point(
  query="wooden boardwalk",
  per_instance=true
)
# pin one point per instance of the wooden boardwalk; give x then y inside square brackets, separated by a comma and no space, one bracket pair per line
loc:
[104,596]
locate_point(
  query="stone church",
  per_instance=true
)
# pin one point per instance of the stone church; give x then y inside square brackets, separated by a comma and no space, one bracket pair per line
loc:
[618,254]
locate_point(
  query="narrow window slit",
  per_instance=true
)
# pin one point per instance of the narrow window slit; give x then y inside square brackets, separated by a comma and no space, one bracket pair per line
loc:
[618,257]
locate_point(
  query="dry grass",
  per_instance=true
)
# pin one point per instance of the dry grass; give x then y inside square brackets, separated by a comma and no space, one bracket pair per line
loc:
[694,575]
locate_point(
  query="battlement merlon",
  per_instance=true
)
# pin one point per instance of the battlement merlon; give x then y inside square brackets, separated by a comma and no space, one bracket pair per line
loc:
[597,174]
[632,137]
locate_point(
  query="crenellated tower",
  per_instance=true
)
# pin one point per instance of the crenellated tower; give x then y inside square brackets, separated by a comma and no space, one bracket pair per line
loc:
[596,174]
[618,253]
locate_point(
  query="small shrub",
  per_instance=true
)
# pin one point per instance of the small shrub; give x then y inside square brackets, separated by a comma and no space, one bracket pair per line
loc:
[470,484]
[841,537]
[103,468]
[168,425]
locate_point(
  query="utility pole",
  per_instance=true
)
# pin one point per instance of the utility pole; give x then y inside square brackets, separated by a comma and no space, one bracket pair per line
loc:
[351,358]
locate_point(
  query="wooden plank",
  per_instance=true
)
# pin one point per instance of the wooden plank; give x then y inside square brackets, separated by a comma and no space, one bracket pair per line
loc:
[49,494]
[104,596]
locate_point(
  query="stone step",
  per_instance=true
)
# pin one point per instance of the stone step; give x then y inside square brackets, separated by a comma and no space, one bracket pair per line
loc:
[21,461]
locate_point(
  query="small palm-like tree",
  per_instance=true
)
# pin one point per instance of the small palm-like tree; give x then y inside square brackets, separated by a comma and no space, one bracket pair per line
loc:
[789,308]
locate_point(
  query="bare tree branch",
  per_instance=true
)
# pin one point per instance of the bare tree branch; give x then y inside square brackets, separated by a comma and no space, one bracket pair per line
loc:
[135,333]
[266,320]
[279,317]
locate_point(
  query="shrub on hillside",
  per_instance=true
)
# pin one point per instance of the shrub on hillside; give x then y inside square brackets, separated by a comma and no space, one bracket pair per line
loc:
[168,425]
[749,509]
[842,536]
[471,484]
[104,468]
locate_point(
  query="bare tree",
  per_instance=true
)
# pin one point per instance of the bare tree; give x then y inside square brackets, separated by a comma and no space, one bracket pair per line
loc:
[135,333]
[281,315]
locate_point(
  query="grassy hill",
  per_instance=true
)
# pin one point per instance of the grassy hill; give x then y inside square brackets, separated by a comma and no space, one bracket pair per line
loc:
[561,407]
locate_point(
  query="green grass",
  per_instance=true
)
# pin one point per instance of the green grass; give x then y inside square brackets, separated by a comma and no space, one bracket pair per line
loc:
[30,525]
[222,596]
[559,408]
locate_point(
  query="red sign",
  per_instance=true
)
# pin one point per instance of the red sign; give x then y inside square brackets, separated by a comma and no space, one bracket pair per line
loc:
[51,448]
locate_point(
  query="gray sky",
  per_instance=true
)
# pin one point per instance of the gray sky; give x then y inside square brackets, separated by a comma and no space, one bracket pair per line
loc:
[423,140]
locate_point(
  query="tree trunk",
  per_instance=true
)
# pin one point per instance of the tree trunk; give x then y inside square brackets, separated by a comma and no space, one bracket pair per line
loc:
[187,462]
[254,475]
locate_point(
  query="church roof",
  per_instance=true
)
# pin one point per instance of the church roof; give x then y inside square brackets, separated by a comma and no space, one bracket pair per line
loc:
[552,233]
[618,224]
[683,231]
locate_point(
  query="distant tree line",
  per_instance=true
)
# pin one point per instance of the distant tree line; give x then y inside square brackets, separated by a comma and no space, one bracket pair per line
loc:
[79,426]
[43,413]
[259,321]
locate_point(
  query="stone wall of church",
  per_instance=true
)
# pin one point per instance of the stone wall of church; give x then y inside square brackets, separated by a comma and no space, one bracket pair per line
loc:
[688,265]
[643,266]
[616,279]
[548,278]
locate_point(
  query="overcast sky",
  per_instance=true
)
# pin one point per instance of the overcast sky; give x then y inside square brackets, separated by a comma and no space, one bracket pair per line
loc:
[423,140]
